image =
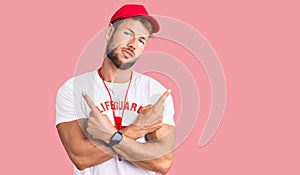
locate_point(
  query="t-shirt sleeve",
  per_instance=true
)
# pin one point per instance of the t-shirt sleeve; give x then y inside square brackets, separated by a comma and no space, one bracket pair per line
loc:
[68,104]
[168,115]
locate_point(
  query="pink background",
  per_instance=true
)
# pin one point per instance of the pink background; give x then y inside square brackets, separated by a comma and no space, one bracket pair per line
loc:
[257,43]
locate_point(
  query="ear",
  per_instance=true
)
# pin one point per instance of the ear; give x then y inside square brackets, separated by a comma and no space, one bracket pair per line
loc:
[109,31]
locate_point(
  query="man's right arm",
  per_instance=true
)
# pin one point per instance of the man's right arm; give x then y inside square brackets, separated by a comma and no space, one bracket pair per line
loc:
[83,152]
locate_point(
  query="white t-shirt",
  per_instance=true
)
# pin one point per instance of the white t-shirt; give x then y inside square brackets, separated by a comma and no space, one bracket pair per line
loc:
[143,90]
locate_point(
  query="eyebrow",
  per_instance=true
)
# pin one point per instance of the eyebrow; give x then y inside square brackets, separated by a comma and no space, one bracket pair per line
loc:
[130,30]
[134,33]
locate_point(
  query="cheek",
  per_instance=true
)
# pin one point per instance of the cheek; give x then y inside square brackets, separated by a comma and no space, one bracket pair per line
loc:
[119,40]
[140,50]
[115,45]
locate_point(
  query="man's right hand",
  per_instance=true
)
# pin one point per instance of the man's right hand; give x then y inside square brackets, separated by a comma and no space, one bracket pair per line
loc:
[99,126]
[149,119]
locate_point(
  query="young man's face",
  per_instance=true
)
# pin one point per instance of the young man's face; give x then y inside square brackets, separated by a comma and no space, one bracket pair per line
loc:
[127,43]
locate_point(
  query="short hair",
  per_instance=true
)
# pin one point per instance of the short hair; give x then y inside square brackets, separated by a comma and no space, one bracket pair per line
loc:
[143,20]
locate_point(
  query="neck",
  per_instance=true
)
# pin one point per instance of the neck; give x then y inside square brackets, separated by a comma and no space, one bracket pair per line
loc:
[111,73]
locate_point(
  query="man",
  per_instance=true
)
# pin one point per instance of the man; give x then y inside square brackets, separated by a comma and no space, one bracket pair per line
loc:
[115,120]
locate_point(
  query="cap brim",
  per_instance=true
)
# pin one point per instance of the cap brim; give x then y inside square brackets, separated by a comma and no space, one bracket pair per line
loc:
[154,23]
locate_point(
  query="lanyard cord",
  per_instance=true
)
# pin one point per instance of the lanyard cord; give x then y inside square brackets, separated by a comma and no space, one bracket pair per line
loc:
[118,125]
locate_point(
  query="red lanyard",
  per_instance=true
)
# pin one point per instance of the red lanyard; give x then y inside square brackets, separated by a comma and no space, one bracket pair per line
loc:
[117,119]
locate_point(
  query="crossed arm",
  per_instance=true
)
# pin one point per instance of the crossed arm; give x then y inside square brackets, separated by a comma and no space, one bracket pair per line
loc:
[81,149]
[85,152]
[155,155]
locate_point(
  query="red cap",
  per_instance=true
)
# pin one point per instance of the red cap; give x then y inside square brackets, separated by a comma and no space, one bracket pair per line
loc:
[131,10]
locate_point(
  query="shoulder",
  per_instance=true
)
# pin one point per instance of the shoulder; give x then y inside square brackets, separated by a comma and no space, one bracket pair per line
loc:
[143,79]
[77,82]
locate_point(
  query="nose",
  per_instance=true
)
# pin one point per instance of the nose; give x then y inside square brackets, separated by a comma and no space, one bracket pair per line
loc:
[132,43]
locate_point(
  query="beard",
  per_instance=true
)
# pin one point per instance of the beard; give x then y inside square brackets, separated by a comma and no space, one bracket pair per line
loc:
[114,57]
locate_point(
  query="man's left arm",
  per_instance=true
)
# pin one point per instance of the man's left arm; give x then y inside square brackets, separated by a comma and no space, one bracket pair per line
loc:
[154,155]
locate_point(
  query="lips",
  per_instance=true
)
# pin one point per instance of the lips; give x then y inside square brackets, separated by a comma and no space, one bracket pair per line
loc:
[127,53]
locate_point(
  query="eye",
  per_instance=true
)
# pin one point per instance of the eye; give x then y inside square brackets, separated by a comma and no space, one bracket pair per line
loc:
[127,33]
[141,41]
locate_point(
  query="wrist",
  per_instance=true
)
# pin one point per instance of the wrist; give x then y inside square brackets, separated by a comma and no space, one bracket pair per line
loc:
[115,138]
[108,135]
[151,136]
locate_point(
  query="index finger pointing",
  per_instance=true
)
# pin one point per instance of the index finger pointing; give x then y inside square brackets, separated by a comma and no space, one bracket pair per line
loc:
[89,101]
[162,99]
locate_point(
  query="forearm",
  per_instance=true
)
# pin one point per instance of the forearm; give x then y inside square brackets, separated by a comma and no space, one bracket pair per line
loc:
[160,165]
[82,151]
[135,151]
[155,155]
[89,153]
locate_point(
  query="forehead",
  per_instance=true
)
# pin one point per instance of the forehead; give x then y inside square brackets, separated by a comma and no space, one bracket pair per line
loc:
[134,25]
